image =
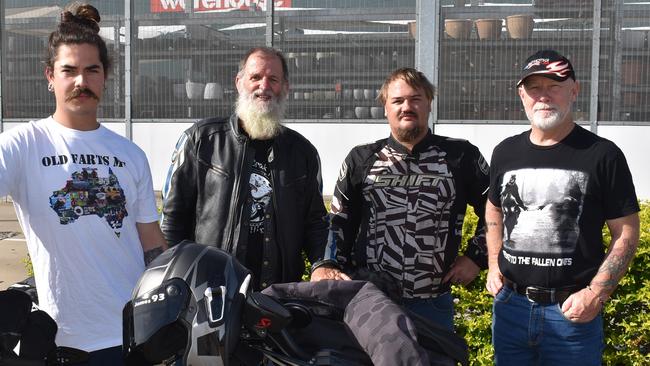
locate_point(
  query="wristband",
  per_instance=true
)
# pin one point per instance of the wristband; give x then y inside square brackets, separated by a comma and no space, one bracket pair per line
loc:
[600,299]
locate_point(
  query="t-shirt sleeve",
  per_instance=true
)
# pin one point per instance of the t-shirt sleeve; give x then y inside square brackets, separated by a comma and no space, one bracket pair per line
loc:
[619,195]
[147,209]
[10,162]
[494,191]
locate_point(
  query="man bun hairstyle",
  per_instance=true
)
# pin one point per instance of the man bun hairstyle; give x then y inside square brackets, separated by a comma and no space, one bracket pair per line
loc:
[79,24]
[80,14]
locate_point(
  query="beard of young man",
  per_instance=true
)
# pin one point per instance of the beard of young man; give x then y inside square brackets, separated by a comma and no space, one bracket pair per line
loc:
[409,134]
[260,119]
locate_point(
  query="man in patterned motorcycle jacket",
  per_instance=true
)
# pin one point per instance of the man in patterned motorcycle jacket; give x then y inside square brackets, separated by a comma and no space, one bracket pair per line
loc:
[399,204]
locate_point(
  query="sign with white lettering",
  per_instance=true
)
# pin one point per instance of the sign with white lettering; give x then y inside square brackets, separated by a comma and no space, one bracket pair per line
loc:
[170,6]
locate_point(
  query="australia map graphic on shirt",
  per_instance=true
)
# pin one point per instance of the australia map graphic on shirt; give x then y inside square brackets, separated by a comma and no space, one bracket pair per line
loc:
[86,194]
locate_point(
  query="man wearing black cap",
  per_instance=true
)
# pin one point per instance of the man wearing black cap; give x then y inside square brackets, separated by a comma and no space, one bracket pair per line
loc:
[552,276]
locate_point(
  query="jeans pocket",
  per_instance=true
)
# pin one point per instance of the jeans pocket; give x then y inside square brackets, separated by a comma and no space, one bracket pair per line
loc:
[503,295]
[558,307]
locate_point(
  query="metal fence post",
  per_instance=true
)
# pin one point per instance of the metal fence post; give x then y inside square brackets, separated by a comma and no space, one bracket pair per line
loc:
[128,32]
[595,67]
[427,42]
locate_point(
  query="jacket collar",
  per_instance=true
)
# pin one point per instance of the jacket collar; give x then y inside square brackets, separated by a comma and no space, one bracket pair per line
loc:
[421,146]
[236,129]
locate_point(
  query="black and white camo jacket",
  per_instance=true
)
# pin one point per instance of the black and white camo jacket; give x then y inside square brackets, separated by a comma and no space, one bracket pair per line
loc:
[403,212]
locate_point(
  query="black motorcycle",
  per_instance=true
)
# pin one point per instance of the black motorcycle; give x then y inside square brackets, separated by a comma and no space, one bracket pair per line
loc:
[194,306]
[27,334]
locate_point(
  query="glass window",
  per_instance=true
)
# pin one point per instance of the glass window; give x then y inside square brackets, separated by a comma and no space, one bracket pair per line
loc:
[340,52]
[624,71]
[26,27]
[185,60]
[484,46]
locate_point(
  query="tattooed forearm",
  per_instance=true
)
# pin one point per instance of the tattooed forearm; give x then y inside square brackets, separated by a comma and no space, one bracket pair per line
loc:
[489,225]
[151,254]
[614,266]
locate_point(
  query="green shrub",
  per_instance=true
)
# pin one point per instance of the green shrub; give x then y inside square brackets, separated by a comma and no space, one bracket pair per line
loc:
[29,268]
[473,307]
[626,315]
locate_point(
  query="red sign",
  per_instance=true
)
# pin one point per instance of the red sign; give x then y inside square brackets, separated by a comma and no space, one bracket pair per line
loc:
[169,6]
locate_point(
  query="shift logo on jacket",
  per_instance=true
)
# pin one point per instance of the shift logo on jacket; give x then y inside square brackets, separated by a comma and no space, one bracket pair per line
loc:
[85,193]
[406,180]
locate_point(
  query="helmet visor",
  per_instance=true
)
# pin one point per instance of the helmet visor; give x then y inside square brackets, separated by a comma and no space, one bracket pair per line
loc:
[155,321]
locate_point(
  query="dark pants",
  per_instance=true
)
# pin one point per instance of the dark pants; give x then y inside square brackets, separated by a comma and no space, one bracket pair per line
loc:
[105,357]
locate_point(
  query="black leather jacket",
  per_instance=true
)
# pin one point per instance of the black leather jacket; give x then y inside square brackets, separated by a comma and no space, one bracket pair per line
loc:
[207,196]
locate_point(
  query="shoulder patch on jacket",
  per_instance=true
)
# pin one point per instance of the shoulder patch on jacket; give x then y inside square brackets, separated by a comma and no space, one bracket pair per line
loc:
[343,172]
[483,165]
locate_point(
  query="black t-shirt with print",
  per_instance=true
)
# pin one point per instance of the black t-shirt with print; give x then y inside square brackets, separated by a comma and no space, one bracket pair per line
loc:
[555,200]
[257,254]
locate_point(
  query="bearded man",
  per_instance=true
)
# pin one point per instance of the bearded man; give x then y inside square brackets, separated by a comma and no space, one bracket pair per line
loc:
[246,183]
[553,267]
[399,205]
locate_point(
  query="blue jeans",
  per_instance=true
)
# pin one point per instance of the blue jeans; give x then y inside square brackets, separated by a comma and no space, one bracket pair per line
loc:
[438,309]
[528,333]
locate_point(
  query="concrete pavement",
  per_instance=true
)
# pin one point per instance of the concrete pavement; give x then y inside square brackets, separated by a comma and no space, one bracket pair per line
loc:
[13,249]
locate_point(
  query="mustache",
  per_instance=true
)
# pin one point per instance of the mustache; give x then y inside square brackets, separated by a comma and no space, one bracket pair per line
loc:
[404,114]
[81,91]
[545,106]
[260,93]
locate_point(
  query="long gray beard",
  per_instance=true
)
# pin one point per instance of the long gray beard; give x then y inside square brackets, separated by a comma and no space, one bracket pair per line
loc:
[260,122]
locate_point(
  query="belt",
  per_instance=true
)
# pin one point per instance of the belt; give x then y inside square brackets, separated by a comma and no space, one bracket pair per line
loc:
[541,295]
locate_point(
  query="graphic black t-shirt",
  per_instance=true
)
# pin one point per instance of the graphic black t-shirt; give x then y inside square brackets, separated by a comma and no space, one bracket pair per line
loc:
[257,255]
[555,200]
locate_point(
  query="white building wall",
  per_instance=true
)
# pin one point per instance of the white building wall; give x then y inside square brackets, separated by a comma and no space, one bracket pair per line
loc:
[634,141]
[158,141]
[334,141]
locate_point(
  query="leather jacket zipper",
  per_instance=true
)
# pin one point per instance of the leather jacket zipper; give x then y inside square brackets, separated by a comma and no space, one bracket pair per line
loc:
[271,162]
[233,205]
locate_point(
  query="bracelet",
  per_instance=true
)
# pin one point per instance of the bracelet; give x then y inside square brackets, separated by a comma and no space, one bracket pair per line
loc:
[600,299]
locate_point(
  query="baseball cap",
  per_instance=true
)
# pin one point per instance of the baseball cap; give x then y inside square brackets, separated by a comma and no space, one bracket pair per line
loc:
[547,63]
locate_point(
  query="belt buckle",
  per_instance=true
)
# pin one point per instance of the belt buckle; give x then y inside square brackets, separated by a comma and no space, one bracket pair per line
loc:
[533,292]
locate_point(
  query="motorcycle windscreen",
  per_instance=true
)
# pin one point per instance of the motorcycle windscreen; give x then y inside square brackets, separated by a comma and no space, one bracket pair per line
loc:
[156,322]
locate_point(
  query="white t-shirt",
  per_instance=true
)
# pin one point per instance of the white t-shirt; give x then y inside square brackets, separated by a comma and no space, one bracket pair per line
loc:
[78,196]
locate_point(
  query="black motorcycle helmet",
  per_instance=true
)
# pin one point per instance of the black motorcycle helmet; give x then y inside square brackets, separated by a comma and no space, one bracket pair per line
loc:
[186,308]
